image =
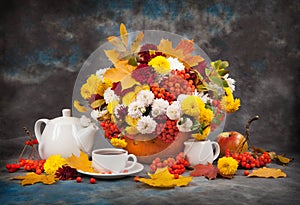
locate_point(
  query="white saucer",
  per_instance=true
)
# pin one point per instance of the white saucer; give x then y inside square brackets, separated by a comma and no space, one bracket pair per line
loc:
[134,170]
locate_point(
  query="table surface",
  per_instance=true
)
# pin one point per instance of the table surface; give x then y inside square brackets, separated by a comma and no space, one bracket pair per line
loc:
[239,190]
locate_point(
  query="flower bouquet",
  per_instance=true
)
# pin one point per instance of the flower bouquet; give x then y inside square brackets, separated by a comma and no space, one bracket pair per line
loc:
[153,90]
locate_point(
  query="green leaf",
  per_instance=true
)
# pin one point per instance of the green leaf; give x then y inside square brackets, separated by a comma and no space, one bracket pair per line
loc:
[223,72]
[225,84]
[216,64]
[223,65]
[132,61]
[208,71]
[216,81]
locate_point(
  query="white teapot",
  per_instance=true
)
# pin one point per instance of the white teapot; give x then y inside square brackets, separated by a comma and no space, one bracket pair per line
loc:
[65,135]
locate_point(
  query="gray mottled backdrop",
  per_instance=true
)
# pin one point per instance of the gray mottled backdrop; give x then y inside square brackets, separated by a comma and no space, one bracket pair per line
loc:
[44,44]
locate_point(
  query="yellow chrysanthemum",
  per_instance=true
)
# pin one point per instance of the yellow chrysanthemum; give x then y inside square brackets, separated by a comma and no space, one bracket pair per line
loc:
[53,163]
[229,103]
[111,106]
[205,133]
[227,166]
[131,96]
[206,115]
[120,143]
[160,64]
[192,105]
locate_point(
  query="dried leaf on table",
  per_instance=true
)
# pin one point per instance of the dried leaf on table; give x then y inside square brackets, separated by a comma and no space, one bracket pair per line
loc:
[209,171]
[267,173]
[81,163]
[163,178]
[32,178]
[284,160]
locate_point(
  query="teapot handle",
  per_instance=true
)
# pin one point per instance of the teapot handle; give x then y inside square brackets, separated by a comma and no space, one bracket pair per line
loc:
[37,128]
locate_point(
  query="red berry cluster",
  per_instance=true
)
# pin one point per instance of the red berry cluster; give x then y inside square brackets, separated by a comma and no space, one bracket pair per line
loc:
[36,166]
[175,166]
[169,131]
[162,93]
[110,129]
[248,161]
[177,84]
[31,142]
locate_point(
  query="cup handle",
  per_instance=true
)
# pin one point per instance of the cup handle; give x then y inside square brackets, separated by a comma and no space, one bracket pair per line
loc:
[134,161]
[217,150]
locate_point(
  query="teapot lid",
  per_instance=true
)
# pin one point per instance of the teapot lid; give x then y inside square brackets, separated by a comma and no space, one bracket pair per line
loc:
[66,112]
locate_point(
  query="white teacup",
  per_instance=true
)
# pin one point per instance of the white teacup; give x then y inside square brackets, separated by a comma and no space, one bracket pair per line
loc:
[201,152]
[112,159]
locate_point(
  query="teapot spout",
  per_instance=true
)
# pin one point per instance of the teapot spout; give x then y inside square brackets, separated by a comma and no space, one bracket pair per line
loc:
[85,138]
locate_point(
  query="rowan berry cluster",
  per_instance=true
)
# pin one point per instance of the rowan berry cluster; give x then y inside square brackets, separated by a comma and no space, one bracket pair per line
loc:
[36,166]
[248,161]
[175,165]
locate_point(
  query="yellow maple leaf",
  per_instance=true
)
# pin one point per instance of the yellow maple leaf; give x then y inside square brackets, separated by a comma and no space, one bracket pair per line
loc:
[267,173]
[182,51]
[163,178]
[123,34]
[121,73]
[81,163]
[32,178]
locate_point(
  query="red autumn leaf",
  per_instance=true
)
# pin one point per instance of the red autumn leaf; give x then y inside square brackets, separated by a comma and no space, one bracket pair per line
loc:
[209,171]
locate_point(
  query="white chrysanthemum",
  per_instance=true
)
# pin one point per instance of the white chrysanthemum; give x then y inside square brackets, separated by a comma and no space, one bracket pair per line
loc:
[145,96]
[95,114]
[204,97]
[175,64]
[136,109]
[173,111]
[181,97]
[100,73]
[230,82]
[159,107]
[185,125]
[146,125]
[109,96]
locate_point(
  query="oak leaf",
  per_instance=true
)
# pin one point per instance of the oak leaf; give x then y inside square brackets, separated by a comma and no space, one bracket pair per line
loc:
[164,179]
[209,171]
[32,178]
[267,173]
[81,163]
